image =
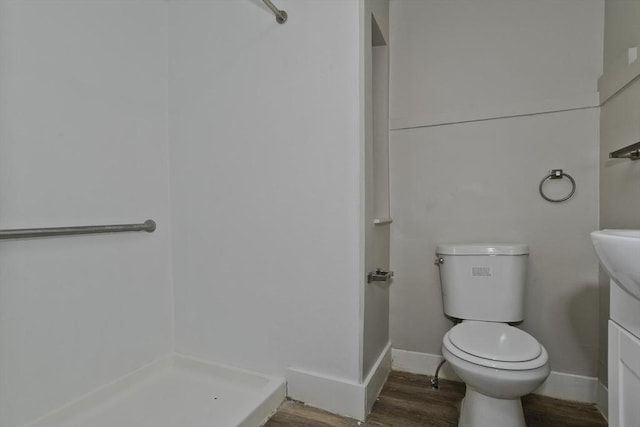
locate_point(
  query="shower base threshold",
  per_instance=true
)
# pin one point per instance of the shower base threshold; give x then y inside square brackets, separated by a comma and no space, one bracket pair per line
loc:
[176,392]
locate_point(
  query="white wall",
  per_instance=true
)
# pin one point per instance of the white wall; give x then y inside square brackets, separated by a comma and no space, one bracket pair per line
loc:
[465,61]
[265,141]
[619,127]
[265,184]
[83,111]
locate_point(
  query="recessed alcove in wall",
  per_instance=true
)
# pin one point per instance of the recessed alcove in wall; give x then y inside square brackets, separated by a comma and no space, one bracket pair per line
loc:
[377,236]
[380,103]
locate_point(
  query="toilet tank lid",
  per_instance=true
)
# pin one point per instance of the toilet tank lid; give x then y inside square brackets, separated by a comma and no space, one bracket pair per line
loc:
[482,249]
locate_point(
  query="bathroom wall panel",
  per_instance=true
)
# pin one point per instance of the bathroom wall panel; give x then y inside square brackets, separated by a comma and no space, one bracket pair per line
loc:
[478,182]
[83,110]
[265,184]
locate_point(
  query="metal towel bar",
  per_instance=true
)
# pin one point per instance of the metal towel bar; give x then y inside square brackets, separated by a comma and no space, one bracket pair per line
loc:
[557,174]
[25,233]
[629,152]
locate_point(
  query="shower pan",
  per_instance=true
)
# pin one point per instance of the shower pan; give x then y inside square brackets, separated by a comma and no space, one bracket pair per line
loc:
[177,391]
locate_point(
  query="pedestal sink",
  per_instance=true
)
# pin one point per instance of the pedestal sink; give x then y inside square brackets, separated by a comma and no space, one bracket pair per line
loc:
[619,253]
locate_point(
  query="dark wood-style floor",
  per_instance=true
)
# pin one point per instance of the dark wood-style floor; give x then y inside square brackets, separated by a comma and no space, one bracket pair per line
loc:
[407,400]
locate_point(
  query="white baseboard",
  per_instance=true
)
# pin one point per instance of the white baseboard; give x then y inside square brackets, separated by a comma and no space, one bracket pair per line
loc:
[374,382]
[570,387]
[338,395]
[602,400]
[559,384]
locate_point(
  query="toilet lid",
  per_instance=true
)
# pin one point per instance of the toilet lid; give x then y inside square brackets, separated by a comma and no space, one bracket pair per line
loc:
[495,341]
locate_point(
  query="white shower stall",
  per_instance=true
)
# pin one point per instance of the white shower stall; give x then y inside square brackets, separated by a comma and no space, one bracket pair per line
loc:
[248,143]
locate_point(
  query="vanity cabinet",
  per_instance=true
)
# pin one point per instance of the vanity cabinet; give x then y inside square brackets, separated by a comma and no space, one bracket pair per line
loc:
[624,359]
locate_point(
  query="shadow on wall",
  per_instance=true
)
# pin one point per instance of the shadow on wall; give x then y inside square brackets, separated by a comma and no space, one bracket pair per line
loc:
[581,307]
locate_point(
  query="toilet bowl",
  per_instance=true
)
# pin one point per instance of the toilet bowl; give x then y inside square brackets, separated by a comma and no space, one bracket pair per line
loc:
[483,286]
[499,364]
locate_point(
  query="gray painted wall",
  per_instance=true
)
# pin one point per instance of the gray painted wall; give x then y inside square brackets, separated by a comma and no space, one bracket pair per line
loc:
[454,62]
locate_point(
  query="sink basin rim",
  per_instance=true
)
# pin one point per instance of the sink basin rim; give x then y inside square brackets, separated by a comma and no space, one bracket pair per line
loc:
[618,232]
[619,254]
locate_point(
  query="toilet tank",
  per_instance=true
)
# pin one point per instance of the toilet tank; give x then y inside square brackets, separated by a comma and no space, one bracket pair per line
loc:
[483,281]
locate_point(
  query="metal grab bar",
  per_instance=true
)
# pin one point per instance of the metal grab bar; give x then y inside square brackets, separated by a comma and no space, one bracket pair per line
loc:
[24,233]
[281,15]
[629,152]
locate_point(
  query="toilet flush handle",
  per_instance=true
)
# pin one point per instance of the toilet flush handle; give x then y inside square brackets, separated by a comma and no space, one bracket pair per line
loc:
[439,261]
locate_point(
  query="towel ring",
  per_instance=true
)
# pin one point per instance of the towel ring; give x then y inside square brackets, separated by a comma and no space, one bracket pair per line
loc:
[557,174]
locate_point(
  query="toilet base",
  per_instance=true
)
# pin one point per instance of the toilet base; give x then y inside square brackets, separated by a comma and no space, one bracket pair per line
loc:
[479,410]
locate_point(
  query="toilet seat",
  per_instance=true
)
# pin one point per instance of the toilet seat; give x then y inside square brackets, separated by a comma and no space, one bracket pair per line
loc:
[495,345]
[495,341]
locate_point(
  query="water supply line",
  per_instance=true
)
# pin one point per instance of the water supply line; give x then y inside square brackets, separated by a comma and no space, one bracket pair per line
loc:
[281,15]
[434,381]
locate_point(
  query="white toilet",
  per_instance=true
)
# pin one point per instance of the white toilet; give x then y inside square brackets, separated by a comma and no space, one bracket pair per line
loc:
[483,286]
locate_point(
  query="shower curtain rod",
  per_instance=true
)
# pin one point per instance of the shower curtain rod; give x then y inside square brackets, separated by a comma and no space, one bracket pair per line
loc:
[24,233]
[281,15]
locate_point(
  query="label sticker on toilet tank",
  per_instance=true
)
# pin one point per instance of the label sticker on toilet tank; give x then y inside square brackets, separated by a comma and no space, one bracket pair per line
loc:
[481,271]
